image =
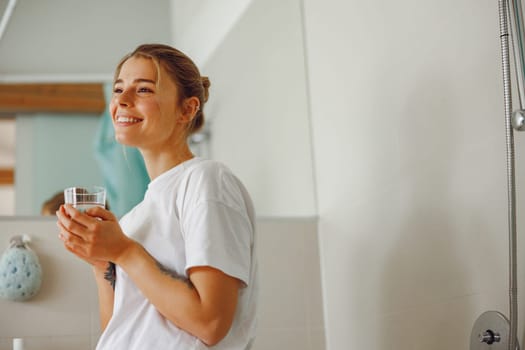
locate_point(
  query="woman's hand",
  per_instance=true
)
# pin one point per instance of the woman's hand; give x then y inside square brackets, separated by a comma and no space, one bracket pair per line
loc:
[94,236]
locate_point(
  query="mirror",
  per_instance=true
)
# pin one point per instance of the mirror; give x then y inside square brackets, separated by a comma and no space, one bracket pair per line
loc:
[257,115]
[65,43]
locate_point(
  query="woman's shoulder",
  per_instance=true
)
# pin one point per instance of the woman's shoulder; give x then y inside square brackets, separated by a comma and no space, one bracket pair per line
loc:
[212,178]
[209,168]
[211,181]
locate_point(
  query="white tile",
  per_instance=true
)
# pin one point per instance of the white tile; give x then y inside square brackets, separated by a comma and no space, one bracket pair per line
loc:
[282,339]
[317,339]
[454,319]
[312,286]
[282,276]
[66,342]
[71,342]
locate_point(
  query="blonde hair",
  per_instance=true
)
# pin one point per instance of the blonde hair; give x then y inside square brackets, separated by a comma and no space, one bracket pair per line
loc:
[182,71]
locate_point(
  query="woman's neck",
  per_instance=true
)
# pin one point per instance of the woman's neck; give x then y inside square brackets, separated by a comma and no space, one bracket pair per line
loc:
[160,162]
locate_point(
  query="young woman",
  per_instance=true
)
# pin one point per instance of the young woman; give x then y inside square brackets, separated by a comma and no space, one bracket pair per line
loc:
[179,270]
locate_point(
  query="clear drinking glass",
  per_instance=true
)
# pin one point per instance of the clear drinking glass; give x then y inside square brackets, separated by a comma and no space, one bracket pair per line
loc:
[83,198]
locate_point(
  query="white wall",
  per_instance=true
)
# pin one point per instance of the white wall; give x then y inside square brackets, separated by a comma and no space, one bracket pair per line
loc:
[199,26]
[409,144]
[258,111]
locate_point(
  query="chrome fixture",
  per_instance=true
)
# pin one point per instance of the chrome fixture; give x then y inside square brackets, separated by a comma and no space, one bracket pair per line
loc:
[490,331]
[509,11]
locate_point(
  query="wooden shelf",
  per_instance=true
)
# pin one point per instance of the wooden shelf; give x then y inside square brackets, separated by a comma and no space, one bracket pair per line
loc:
[52,98]
[7,176]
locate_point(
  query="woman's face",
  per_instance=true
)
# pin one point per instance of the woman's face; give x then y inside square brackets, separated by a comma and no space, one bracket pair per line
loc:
[145,113]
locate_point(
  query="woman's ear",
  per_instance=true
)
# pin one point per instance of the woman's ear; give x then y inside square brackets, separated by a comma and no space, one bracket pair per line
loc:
[190,108]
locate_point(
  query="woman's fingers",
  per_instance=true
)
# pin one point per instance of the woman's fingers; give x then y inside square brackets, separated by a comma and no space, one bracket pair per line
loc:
[76,215]
[93,235]
[101,213]
[72,242]
[67,225]
[79,223]
[78,249]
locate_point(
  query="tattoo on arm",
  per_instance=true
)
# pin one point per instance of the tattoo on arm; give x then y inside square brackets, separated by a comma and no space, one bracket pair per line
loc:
[172,273]
[110,274]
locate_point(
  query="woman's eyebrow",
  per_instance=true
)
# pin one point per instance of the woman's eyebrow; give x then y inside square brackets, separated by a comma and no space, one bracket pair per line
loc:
[139,80]
[142,80]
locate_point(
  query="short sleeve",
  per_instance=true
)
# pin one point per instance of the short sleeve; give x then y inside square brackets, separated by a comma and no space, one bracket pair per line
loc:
[218,236]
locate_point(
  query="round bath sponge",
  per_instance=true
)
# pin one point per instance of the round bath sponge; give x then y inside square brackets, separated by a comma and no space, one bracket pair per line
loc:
[20,271]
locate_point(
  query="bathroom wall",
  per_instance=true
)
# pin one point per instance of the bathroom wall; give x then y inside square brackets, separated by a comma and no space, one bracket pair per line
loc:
[258,111]
[64,315]
[199,27]
[409,147]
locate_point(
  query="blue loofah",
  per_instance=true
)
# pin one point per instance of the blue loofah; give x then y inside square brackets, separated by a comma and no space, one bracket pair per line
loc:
[20,271]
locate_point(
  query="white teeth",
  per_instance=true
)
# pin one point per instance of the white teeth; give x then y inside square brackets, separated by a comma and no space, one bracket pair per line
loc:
[128,120]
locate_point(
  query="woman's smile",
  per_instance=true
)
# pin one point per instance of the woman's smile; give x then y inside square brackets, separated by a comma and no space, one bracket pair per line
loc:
[127,120]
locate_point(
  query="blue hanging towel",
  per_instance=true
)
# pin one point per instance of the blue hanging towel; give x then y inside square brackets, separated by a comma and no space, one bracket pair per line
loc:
[122,168]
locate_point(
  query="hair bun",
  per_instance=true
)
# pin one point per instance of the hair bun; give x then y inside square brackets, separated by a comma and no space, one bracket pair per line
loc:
[205,82]
[206,85]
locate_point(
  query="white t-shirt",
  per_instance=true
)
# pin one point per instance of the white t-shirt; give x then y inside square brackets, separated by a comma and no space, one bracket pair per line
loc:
[195,214]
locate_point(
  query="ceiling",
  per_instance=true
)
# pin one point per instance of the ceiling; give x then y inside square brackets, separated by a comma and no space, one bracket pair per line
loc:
[76,39]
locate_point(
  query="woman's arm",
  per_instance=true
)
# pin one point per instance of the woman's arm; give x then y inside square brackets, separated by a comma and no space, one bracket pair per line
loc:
[105,279]
[203,306]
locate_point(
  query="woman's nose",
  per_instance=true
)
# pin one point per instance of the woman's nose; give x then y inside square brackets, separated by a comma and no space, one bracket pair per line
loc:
[124,98]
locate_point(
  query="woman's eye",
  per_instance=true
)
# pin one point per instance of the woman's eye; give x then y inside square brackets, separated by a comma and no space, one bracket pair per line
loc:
[145,89]
[117,90]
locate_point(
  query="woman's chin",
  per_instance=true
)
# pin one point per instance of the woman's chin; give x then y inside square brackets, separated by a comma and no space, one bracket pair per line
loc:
[125,141]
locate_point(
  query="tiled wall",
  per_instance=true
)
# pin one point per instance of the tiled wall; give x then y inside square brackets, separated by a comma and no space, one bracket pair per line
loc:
[64,315]
[291,314]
